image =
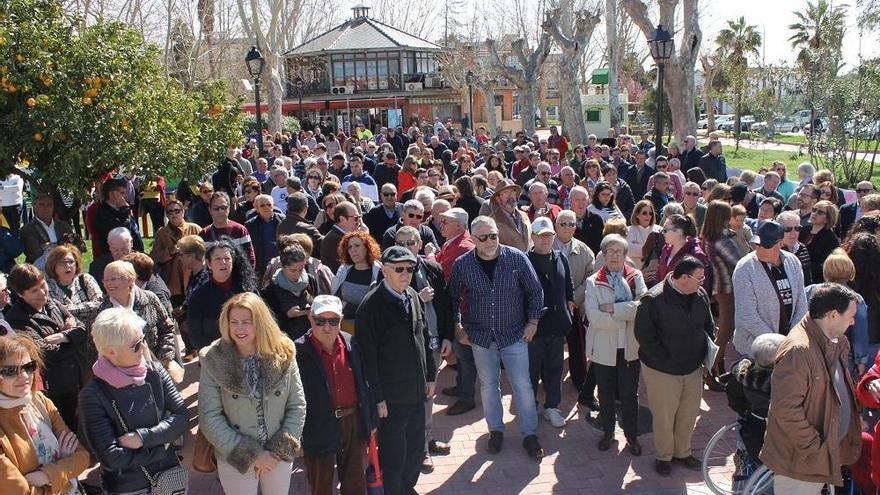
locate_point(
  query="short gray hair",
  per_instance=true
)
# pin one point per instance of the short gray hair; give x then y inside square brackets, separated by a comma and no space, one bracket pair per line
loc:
[764,349]
[425,195]
[408,231]
[610,239]
[566,215]
[119,232]
[807,169]
[482,221]
[671,209]
[414,204]
[788,216]
[116,326]
[441,202]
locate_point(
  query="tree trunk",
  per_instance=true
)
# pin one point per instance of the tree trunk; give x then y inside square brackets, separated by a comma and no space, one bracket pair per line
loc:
[528,104]
[570,99]
[274,91]
[679,89]
[489,101]
[524,78]
[615,111]
[710,69]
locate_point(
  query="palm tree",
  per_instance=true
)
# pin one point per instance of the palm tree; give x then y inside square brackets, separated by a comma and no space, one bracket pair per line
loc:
[736,43]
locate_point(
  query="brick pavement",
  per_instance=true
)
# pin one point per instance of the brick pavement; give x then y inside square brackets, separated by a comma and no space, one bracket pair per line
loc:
[572,464]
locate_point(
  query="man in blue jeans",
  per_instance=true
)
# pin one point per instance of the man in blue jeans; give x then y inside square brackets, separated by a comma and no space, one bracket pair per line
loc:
[504,302]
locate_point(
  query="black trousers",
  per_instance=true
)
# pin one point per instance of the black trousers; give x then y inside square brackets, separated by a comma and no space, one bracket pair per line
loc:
[582,376]
[619,382]
[13,218]
[401,445]
[545,362]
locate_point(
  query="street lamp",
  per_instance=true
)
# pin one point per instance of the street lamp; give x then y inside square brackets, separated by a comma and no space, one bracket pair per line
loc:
[469,79]
[255,62]
[300,85]
[662,46]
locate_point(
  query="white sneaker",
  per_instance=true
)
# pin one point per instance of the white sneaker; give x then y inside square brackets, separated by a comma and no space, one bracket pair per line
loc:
[554,417]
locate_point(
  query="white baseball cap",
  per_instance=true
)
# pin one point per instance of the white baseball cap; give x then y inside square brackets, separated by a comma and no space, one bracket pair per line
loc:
[326,304]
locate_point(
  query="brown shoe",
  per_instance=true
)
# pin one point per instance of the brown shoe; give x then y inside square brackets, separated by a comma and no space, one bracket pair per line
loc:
[689,462]
[437,447]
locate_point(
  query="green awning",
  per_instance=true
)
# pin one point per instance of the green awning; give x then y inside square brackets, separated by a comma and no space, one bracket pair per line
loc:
[600,76]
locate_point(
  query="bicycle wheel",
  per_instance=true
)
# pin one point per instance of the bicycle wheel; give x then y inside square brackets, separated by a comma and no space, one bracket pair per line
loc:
[760,482]
[726,465]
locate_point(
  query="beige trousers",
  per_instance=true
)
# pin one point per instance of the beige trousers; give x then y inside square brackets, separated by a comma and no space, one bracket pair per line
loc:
[675,402]
[791,486]
[235,483]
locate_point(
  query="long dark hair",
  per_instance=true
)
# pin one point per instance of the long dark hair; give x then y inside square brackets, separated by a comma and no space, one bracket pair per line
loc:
[716,222]
[864,251]
[243,276]
[603,186]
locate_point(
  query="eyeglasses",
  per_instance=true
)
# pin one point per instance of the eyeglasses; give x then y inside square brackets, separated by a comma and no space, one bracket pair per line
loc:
[137,345]
[414,215]
[175,211]
[433,175]
[661,167]
[13,371]
[220,208]
[114,280]
[333,322]
[485,237]
[568,224]
[793,229]
[819,212]
[864,191]
[692,193]
[356,217]
[389,194]
[826,191]
[206,191]
[316,177]
[401,269]
[409,243]
[700,280]
[646,213]
[329,205]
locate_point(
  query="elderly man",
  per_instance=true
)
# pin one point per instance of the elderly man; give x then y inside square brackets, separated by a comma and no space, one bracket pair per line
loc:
[503,303]
[412,216]
[438,207]
[806,199]
[659,195]
[544,174]
[567,180]
[691,204]
[589,225]
[295,222]
[852,212]
[221,226]
[392,330]
[786,187]
[813,427]
[45,231]
[347,218]
[513,225]
[690,155]
[771,183]
[263,231]
[339,418]
[367,183]
[537,206]
[120,244]
[384,215]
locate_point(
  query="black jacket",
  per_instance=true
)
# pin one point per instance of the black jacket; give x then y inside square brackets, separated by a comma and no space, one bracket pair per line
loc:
[425,233]
[320,436]
[690,159]
[624,199]
[395,346]
[429,273]
[823,243]
[671,329]
[255,229]
[378,222]
[386,175]
[139,406]
[295,224]
[203,309]
[472,205]
[715,167]
[108,218]
[658,199]
[847,219]
[639,187]
[280,300]
[558,290]
[328,252]
[589,231]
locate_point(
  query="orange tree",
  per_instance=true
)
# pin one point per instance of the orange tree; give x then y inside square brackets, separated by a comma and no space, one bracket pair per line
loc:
[78,101]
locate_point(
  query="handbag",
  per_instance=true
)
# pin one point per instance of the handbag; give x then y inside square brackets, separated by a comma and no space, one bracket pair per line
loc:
[375,485]
[711,353]
[203,454]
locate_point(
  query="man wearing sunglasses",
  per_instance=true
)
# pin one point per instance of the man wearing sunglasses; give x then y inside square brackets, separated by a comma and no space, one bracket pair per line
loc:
[852,212]
[512,224]
[221,225]
[392,331]
[413,214]
[385,214]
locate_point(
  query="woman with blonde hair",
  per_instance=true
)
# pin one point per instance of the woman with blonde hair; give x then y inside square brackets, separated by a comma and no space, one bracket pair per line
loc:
[77,291]
[251,402]
[819,237]
[39,455]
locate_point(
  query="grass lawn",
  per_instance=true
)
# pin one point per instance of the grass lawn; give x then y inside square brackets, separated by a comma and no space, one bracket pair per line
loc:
[87,256]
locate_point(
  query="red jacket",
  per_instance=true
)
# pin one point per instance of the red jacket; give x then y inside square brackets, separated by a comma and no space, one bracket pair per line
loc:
[452,250]
[868,400]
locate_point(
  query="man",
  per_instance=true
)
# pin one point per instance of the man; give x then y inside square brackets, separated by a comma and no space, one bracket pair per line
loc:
[120,243]
[567,181]
[659,195]
[638,175]
[807,198]
[750,200]
[537,205]
[768,189]
[347,218]
[623,195]
[673,325]
[261,173]
[768,288]
[589,225]
[222,226]
[412,216]
[547,347]
[44,231]
[340,415]
[713,163]
[263,229]
[387,171]
[514,228]
[114,211]
[692,206]
[619,163]
[367,183]
[645,143]
[296,222]
[557,141]
[814,426]
[504,302]
[690,155]
[393,333]
[544,174]
[384,215]
[786,187]
[521,161]
[849,213]
[438,207]
[279,185]
[337,167]
[421,185]
[531,171]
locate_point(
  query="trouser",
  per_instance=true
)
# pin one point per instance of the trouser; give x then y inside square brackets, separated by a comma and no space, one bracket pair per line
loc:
[429,408]
[350,461]
[725,323]
[401,444]
[791,486]
[154,208]
[275,481]
[675,402]
[516,363]
[546,354]
[466,378]
[620,381]
[577,358]
[67,404]
[13,218]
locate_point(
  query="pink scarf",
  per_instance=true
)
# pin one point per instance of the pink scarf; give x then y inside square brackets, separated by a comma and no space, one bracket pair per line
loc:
[118,377]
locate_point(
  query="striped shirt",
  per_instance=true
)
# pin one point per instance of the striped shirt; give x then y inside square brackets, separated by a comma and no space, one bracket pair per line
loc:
[498,309]
[236,232]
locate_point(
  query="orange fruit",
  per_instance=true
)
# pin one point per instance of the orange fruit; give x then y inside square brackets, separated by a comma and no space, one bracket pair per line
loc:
[31,102]
[19,57]
[86,101]
[38,136]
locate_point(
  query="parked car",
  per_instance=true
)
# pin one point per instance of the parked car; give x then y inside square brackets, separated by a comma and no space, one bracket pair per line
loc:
[862,127]
[745,123]
[821,125]
[703,123]
[783,124]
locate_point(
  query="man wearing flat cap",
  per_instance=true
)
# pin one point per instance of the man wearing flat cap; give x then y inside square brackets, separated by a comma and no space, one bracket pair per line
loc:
[392,331]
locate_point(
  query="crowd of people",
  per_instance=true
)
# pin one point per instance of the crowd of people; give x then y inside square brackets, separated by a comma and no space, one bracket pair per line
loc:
[322,283]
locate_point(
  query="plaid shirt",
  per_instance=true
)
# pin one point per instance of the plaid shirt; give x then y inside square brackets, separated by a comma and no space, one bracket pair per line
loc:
[498,309]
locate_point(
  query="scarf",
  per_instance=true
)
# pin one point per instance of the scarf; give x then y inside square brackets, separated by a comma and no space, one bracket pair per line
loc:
[621,291]
[295,287]
[7,402]
[118,377]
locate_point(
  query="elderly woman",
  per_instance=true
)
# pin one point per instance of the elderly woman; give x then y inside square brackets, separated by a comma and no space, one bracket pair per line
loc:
[251,402]
[612,295]
[819,237]
[805,172]
[159,327]
[131,411]
[165,253]
[79,292]
[61,338]
[680,236]
[791,223]
[314,267]
[359,254]
[290,293]
[39,454]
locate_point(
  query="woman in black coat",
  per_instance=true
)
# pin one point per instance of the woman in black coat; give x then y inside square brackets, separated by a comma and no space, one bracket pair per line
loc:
[290,293]
[820,238]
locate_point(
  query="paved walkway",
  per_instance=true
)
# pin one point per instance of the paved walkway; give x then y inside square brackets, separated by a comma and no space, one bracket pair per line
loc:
[572,464]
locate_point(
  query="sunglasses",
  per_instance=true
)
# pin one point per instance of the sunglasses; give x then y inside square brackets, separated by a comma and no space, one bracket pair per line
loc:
[176,211]
[864,191]
[661,167]
[485,237]
[409,243]
[691,193]
[700,280]
[13,371]
[414,215]
[333,322]
[568,224]
[401,269]
[389,194]
[820,212]
[330,205]
[793,229]
[826,191]
[137,345]
[220,208]
[646,213]
[316,177]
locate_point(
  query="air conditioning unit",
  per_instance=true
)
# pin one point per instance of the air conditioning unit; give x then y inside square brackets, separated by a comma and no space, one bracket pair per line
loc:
[433,82]
[342,90]
[413,86]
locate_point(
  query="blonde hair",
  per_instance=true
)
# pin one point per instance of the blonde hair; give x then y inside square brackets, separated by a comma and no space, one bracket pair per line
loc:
[122,268]
[838,268]
[116,326]
[270,341]
[615,226]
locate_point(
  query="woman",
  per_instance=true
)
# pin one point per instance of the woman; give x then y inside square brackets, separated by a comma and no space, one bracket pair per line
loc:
[464,167]
[39,454]
[360,267]
[312,187]
[679,236]
[592,176]
[791,223]
[363,203]
[251,402]
[62,339]
[131,411]
[159,328]
[642,224]
[864,251]
[436,175]
[230,273]
[612,295]
[603,202]
[78,292]
[654,243]
[165,252]
[324,220]
[723,255]
[250,189]
[819,237]
[314,267]
[290,292]
[706,187]
[406,178]
[828,192]
[494,162]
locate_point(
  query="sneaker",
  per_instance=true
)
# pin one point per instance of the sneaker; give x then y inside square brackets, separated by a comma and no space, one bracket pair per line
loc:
[663,468]
[530,443]
[437,447]
[689,462]
[427,464]
[496,440]
[554,416]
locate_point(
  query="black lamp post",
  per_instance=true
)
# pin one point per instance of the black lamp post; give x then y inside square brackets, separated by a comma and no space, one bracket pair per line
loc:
[300,85]
[662,46]
[469,78]
[255,62]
